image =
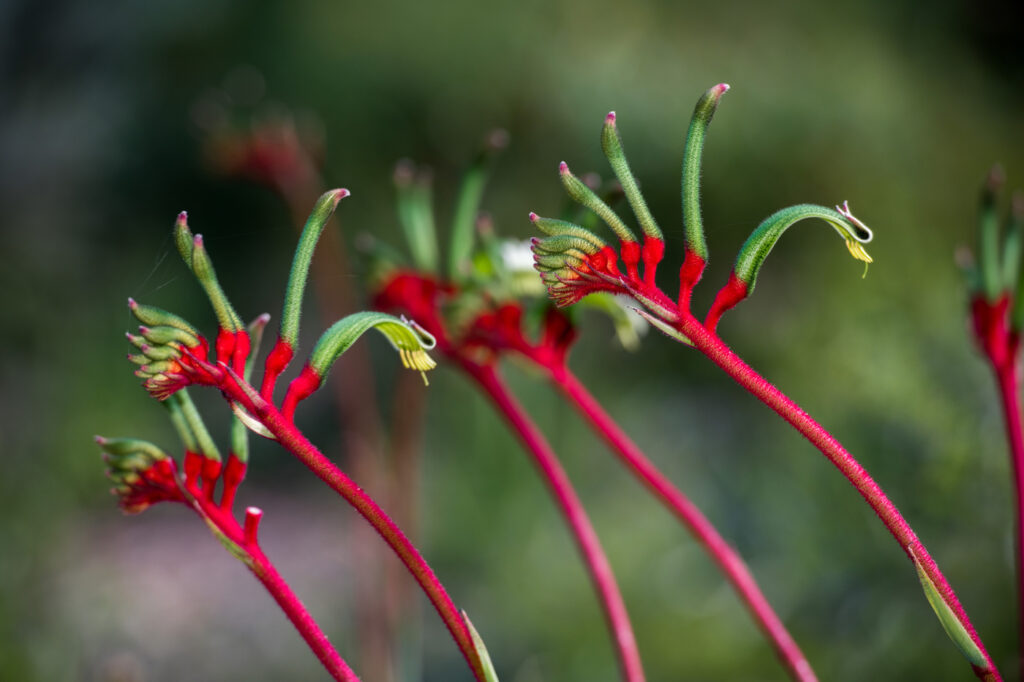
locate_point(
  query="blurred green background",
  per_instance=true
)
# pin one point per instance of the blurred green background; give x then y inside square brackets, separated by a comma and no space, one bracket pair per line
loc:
[899,107]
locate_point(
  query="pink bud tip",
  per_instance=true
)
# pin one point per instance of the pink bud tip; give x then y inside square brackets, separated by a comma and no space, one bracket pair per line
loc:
[144,329]
[99,439]
[721,88]
[183,217]
[610,118]
[533,217]
[197,241]
[144,347]
[263,319]
[132,304]
[563,168]
[342,193]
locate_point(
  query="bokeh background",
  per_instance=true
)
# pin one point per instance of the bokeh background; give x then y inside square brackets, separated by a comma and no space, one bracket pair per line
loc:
[898,106]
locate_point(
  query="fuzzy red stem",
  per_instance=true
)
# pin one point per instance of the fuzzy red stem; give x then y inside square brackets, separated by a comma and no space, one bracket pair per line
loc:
[572,508]
[289,436]
[1009,388]
[728,560]
[718,352]
[299,616]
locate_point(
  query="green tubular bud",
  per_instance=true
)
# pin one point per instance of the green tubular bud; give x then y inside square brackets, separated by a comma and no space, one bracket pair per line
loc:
[490,674]
[161,352]
[322,212]
[158,367]
[137,341]
[126,447]
[554,228]
[583,195]
[988,236]
[128,463]
[611,143]
[202,267]
[162,335]
[409,339]
[763,239]
[155,317]
[139,359]
[555,261]
[175,411]
[467,205]
[183,238]
[693,225]
[564,242]
[416,215]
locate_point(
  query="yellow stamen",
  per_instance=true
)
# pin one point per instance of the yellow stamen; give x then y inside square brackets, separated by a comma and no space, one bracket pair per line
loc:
[857,251]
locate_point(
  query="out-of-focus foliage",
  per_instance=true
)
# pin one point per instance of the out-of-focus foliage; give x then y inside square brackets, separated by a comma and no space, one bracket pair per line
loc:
[899,107]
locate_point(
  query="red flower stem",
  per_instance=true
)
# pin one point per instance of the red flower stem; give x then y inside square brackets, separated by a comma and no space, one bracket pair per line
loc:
[1009,388]
[718,352]
[289,436]
[299,616]
[572,508]
[728,560]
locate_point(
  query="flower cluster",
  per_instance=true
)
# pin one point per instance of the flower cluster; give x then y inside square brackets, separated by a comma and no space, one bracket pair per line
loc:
[574,262]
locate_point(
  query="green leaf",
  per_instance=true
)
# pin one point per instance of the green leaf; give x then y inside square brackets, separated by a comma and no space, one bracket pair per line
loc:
[322,212]
[490,675]
[409,339]
[950,623]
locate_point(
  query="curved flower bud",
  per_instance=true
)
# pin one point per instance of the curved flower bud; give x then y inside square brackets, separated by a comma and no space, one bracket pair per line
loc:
[611,144]
[156,317]
[142,473]
[202,267]
[693,226]
[322,212]
[410,340]
[760,243]
[583,195]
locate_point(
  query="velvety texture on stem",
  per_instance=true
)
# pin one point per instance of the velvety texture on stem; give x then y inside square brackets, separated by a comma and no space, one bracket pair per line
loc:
[719,353]
[728,560]
[571,506]
[289,436]
[1009,389]
[299,616]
